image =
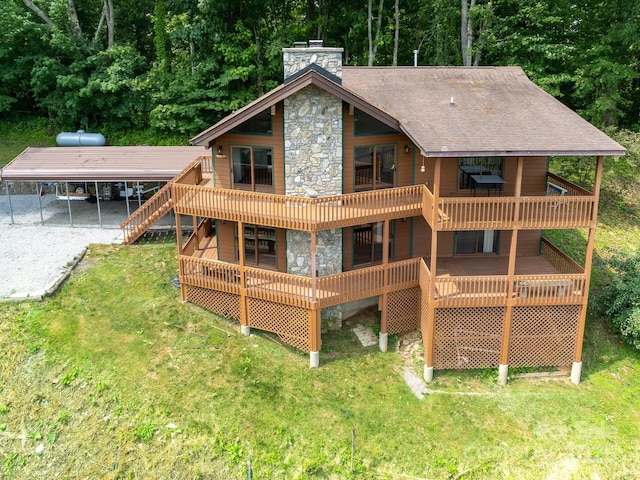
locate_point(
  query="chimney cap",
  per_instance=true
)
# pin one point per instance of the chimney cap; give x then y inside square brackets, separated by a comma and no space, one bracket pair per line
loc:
[315,43]
[299,44]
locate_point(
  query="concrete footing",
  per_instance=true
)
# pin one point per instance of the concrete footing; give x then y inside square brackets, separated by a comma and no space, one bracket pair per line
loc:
[245,330]
[576,371]
[383,341]
[503,373]
[428,374]
[314,359]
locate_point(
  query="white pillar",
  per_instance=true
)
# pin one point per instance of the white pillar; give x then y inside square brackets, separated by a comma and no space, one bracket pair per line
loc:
[314,359]
[576,370]
[246,330]
[428,374]
[383,341]
[503,372]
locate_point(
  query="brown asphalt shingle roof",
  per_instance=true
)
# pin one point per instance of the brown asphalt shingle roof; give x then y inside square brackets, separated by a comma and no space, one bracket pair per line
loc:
[100,163]
[495,111]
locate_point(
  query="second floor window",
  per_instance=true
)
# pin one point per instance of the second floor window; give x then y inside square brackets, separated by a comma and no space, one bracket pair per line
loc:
[252,168]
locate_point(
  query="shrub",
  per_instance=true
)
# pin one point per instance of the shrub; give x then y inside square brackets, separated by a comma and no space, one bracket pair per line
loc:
[622,298]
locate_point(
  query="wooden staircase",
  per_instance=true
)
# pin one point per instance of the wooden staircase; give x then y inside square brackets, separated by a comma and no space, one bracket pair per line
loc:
[147,215]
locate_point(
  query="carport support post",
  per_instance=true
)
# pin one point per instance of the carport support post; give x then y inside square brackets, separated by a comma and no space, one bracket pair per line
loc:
[138,189]
[98,204]
[69,204]
[6,187]
[39,203]
[126,198]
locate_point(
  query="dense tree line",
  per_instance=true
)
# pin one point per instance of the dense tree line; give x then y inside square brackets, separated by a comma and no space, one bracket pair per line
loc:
[180,65]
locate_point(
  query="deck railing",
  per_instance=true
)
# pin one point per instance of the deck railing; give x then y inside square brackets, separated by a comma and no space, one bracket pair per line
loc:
[298,213]
[493,290]
[296,290]
[498,213]
[558,259]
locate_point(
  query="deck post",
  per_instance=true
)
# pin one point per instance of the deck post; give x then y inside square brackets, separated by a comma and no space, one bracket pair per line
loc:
[384,314]
[429,342]
[576,369]
[244,307]
[314,337]
[503,367]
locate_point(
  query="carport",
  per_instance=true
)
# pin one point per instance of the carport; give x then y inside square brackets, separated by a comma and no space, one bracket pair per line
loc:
[89,179]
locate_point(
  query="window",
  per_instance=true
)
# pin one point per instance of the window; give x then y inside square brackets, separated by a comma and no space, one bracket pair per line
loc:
[367,243]
[365,124]
[259,245]
[374,167]
[474,242]
[259,124]
[252,168]
[468,166]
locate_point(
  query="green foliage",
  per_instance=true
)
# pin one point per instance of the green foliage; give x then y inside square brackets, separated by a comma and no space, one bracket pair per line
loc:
[622,298]
[145,432]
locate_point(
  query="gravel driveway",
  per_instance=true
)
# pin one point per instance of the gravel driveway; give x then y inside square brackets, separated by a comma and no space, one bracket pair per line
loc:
[34,257]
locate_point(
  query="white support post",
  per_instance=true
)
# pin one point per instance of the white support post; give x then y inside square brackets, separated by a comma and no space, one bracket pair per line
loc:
[576,371]
[503,373]
[314,359]
[383,341]
[428,374]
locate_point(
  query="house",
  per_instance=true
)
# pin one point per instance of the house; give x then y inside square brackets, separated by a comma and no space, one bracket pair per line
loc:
[422,190]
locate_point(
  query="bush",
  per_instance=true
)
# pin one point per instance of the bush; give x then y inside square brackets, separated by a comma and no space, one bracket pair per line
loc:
[622,298]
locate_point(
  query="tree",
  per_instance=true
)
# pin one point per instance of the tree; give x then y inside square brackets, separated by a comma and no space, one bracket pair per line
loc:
[374,39]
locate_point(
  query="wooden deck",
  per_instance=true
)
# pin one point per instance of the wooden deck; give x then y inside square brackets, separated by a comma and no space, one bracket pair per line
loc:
[194,194]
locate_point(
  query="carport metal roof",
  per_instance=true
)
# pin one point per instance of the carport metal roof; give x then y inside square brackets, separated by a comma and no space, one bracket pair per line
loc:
[111,164]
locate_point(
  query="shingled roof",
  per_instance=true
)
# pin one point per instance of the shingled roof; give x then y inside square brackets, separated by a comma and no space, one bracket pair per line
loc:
[469,111]
[450,111]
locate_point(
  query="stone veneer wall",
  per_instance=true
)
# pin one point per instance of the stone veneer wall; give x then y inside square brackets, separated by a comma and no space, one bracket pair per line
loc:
[295,59]
[313,138]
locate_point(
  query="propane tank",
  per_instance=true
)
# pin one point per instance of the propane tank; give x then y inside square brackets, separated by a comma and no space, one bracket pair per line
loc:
[80,139]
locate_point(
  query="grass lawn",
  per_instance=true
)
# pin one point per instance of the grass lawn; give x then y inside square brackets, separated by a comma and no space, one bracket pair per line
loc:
[115,378]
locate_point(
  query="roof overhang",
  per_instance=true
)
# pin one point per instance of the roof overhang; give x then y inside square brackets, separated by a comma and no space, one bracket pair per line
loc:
[278,94]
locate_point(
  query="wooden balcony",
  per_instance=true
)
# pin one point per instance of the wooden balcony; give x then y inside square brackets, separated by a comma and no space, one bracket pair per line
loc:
[572,210]
[298,213]
[295,290]
[549,279]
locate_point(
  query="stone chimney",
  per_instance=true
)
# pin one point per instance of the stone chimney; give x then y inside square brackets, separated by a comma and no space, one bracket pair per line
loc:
[304,54]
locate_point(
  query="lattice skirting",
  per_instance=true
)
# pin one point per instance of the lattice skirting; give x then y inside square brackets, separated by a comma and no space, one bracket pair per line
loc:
[468,337]
[403,310]
[222,303]
[291,324]
[543,335]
